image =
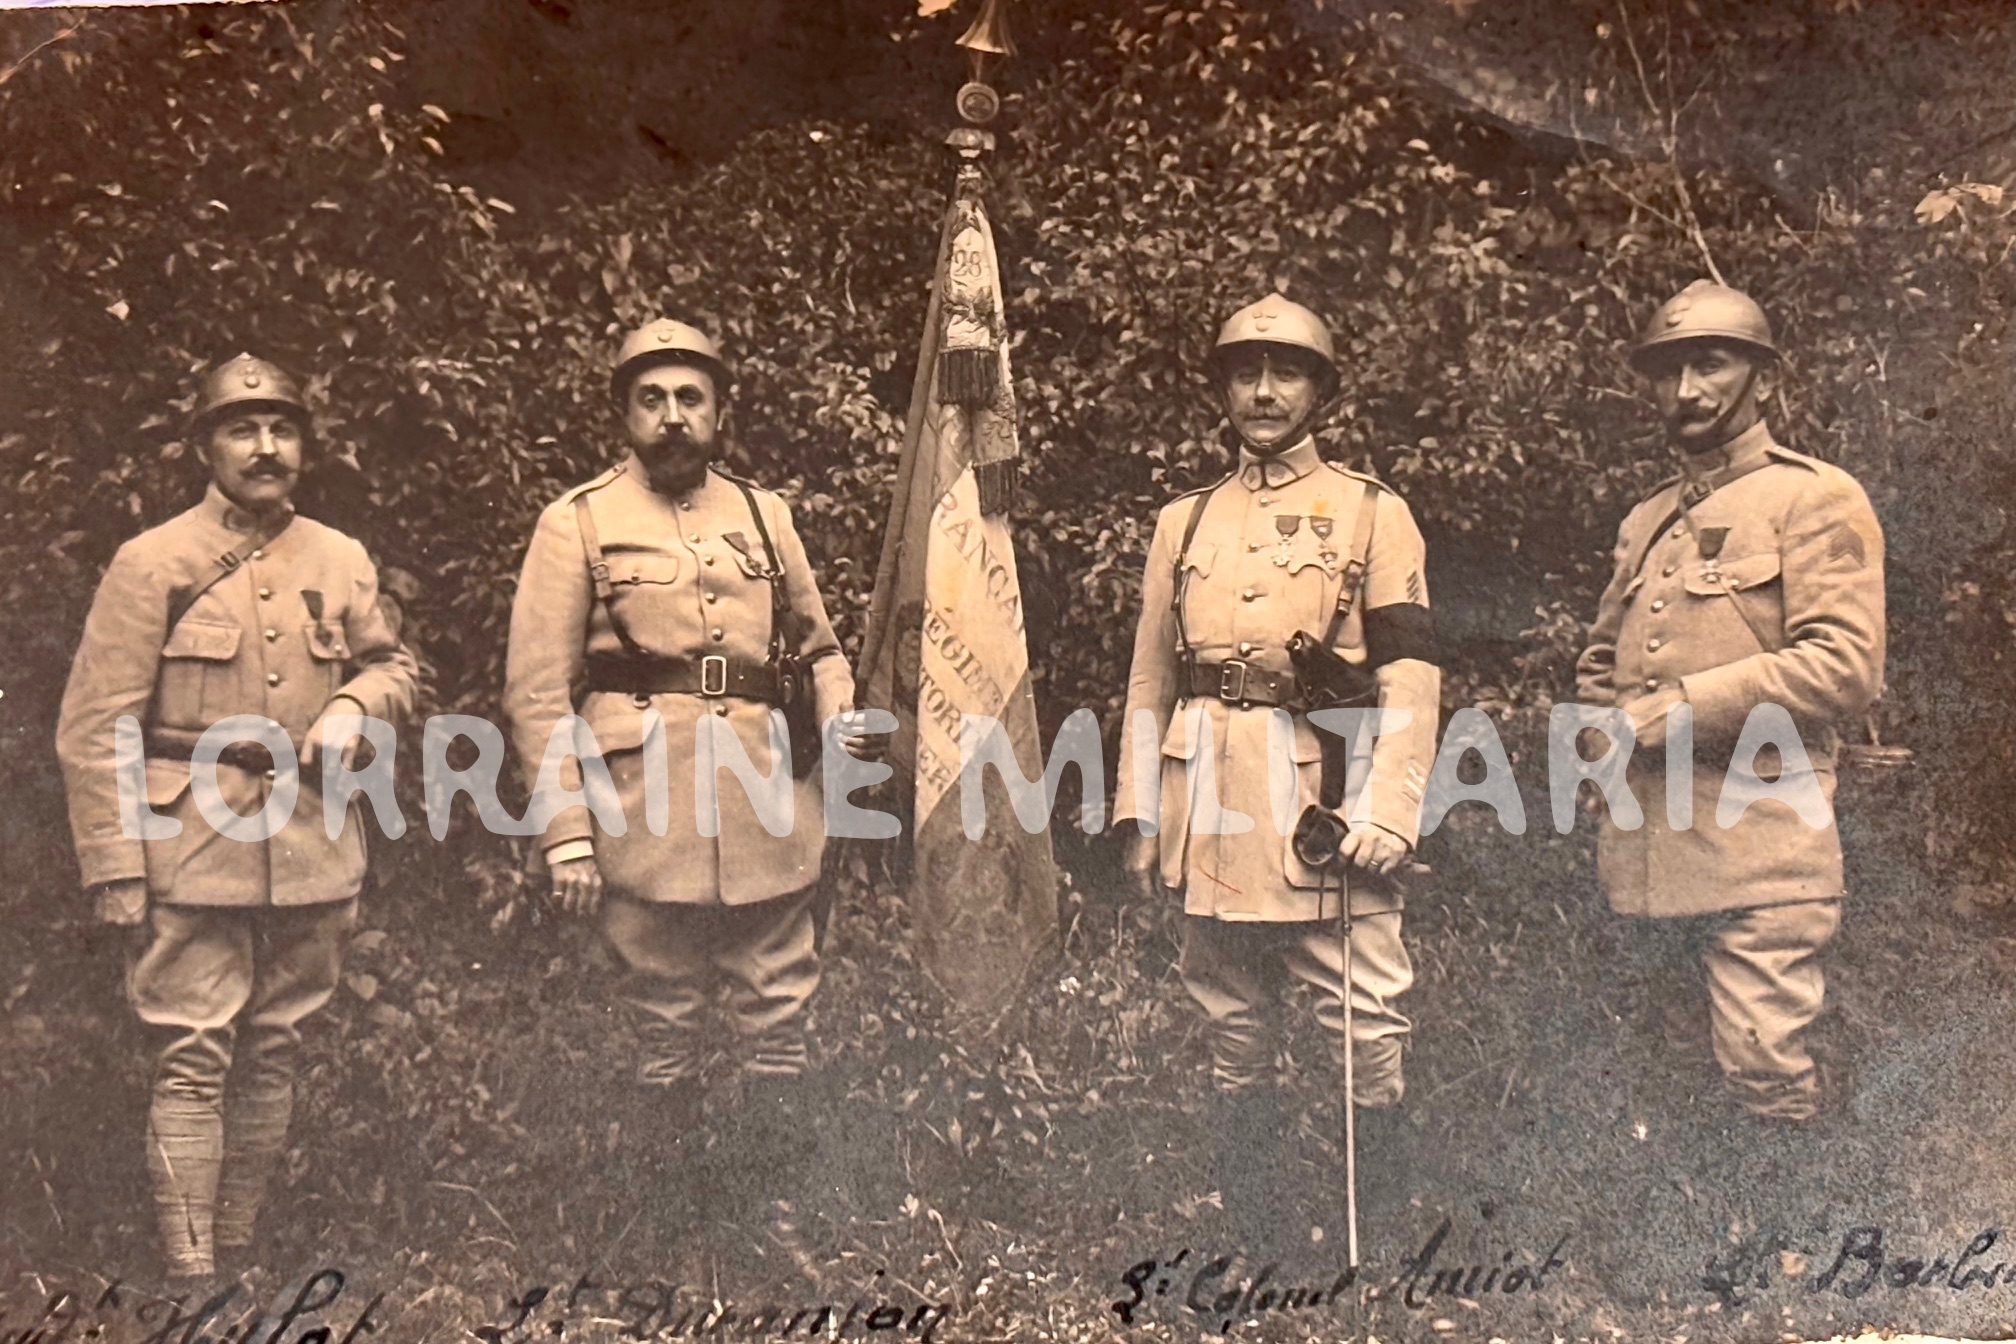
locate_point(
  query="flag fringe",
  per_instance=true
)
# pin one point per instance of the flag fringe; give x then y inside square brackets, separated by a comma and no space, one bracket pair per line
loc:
[969,377]
[996,481]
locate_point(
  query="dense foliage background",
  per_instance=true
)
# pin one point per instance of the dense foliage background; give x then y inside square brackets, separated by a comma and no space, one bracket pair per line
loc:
[445,215]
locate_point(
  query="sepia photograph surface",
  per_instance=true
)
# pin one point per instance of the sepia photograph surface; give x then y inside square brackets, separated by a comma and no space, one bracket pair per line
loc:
[1007,670]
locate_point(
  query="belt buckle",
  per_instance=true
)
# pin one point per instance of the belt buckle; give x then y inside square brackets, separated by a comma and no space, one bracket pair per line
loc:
[714,675]
[1232,680]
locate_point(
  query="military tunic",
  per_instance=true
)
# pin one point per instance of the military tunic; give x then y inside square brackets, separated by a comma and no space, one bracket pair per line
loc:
[245,937]
[688,581]
[291,628]
[1266,559]
[1251,586]
[1795,542]
[685,910]
[1803,552]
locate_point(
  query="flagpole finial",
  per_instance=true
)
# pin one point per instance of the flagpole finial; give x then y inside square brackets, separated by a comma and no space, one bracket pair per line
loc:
[977,101]
[989,33]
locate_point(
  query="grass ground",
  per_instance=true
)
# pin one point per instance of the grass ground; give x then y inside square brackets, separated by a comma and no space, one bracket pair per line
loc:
[464,1135]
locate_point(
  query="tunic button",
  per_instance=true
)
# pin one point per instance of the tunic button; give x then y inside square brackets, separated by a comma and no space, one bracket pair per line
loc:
[258,555]
[1266,499]
[1247,595]
[1675,533]
[717,634]
[641,700]
[686,504]
[721,710]
[1668,571]
[1252,545]
[272,635]
[1651,683]
[269,774]
[1659,605]
[265,594]
[710,599]
[694,538]
[1245,649]
[707,560]
[272,678]
[1653,644]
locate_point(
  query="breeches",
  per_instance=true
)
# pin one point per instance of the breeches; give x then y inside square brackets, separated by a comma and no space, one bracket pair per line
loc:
[223,991]
[1227,967]
[1765,987]
[676,955]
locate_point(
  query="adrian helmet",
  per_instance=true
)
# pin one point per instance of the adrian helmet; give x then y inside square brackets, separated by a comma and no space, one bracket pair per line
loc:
[246,382]
[1706,311]
[1278,323]
[664,341]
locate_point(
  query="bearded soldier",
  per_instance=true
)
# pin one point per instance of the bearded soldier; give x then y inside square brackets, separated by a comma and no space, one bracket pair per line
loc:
[1751,582]
[1287,547]
[234,607]
[665,587]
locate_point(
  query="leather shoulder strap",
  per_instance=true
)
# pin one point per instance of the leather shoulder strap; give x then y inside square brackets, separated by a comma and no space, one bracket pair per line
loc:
[780,604]
[598,573]
[1361,554]
[181,599]
[1203,498]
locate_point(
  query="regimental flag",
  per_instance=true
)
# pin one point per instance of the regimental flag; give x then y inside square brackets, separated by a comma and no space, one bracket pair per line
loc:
[945,637]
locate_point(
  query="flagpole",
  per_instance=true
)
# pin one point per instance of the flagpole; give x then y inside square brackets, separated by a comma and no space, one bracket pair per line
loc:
[977,104]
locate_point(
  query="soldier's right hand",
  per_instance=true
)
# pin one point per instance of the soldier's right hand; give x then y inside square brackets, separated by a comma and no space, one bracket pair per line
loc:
[577,886]
[123,903]
[1142,863]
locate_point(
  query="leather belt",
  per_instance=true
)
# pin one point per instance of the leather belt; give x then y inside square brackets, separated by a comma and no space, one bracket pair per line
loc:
[1237,682]
[170,744]
[712,677]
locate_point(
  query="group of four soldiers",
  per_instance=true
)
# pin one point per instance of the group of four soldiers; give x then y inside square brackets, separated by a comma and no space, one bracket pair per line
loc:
[666,585]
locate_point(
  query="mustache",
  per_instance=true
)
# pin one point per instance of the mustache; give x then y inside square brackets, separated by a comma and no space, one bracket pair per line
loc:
[277,469]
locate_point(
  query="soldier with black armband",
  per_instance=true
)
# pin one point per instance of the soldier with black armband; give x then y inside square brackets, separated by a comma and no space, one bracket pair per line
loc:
[1265,596]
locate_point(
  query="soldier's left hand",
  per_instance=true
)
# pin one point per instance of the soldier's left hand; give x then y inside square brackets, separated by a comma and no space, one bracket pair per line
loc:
[1648,716]
[311,746]
[1373,848]
[851,728]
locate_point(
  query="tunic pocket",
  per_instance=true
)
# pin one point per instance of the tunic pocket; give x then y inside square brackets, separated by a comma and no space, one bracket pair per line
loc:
[194,681]
[632,570]
[642,589]
[1741,573]
[328,650]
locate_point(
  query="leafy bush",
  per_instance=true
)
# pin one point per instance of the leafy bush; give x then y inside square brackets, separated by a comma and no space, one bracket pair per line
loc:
[250,178]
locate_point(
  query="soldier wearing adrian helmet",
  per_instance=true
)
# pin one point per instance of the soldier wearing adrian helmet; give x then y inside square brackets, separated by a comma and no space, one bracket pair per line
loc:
[1287,543]
[665,586]
[234,607]
[1751,581]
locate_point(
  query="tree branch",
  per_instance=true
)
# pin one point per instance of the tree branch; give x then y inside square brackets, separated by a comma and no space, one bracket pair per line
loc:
[38,48]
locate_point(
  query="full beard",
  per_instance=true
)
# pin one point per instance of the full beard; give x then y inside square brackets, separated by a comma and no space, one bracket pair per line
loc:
[676,467]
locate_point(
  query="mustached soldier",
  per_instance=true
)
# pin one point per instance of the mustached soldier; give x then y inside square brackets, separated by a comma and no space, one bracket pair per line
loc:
[236,606]
[1753,579]
[664,585]
[1287,543]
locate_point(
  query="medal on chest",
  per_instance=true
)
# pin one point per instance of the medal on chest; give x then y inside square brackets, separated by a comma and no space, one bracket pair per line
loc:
[1322,527]
[1710,541]
[1285,527]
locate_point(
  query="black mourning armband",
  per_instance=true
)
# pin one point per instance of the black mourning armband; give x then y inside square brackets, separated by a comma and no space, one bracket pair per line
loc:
[1403,630]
